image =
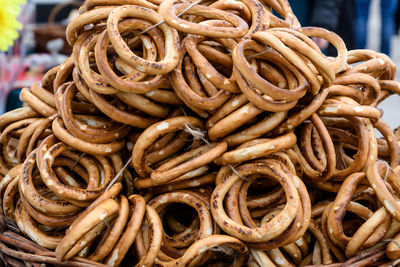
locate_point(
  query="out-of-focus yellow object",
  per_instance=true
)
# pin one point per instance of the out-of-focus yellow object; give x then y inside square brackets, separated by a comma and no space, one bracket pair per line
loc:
[9,11]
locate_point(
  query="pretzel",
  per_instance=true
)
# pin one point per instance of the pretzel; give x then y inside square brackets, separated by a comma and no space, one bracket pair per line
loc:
[86,132]
[208,243]
[37,104]
[285,11]
[265,103]
[201,133]
[188,198]
[290,235]
[7,158]
[164,96]
[193,160]
[254,79]
[325,170]
[374,89]
[167,63]
[168,10]
[257,130]
[12,174]
[197,98]
[65,191]
[169,149]
[46,219]
[118,114]
[151,134]
[238,116]
[105,210]
[131,83]
[87,18]
[156,240]
[269,38]
[260,234]
[201,180]
[366,231]
[45,205]
[262,149]
[91,4]
[83,46]
[9,199]
[63,73]
[382,192]
[326,255]
[358,55]
[91,148]
[48,97]
[391,142]
[201,55]
[187,178]
[26,223]
[239,7]
[392,250]
[144,104]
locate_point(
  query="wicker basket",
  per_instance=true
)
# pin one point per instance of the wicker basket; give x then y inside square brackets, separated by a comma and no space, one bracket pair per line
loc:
[51,31]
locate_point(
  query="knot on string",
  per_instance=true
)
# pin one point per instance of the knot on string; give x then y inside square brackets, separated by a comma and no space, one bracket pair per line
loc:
[115,179]
[227,251]
[198,134]
[77,160]
[224,249]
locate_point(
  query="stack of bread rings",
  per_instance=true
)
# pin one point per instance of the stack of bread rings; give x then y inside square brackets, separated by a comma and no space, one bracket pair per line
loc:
[202,133]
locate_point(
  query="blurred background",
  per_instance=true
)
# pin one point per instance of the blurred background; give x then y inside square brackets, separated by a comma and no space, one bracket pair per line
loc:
[392,105]
[371,24]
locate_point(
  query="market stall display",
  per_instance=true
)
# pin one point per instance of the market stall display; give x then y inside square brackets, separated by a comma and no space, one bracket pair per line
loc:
[202,133]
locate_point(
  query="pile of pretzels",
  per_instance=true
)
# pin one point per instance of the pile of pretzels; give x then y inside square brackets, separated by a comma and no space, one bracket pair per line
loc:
[202,133]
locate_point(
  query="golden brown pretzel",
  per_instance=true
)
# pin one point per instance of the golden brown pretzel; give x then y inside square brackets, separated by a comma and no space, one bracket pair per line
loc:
[151,134]
[167,63]
[272,228]
[169,11]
